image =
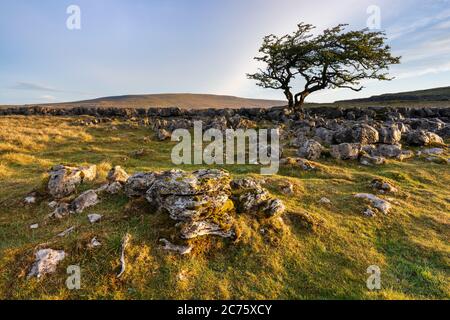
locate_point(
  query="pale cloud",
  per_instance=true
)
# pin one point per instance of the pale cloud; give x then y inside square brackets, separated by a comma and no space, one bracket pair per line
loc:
[32,87]
[423,71]
[48,98]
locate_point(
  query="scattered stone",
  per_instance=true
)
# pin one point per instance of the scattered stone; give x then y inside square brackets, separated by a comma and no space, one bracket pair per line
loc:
[114,188]
[252,198]
[171,247]
[364,134]
[369,213]
[138,153]
[325,200]
[192,196]
[311,150]
[369,160]
[30,199]
[405,154]
[378,203]
[138,184]
[346,151]
[244,183]
[46,262]
[163,134]
[66,232]
[94,243]
[117,174]
[196,229]
[303,163]
[390,134]
[432,151]
[52,204]
[383,186]
[64,180]
[387,150]
[287,188]
[85,200]
[93,218]
[423,138]
[273,207]
[34,226]
[125,243]
[61,210]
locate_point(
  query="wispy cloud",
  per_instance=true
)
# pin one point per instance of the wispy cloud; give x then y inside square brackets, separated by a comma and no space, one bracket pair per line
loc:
[28,86]
[399,31]
[424,71]
[48,98]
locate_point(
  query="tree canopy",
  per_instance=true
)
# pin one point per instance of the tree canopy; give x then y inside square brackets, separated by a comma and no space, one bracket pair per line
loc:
[333,59]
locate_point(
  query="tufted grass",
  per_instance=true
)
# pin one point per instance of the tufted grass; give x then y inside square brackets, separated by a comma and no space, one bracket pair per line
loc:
[317,251]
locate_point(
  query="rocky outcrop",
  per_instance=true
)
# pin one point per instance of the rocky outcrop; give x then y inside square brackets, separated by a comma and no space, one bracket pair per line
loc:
[423,138]
[378,203]
[252,198]
[310,150]
[46,262]
[138,184]
[200,200]
[117,174]
[383,186]
[346,151]
[64,180]
[390,134]
[85,200]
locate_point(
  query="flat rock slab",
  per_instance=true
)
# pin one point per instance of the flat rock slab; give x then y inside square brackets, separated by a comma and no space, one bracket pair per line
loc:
[46,262]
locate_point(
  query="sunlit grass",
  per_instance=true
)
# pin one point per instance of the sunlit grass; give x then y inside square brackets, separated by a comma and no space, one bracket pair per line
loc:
[316,251]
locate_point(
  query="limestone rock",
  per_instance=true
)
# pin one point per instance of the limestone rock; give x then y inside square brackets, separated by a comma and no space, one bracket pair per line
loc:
[163,134]
[85,200]
[190,196]
[383,186]
[346,151]
[252,198]
[117,174]
[64,180]
[387,150]
[94,243]
[195,229]
[382,205]
[390,134]
[61,210]
[310,150]
[423,138]
[94,217]
[46,262]
[66,232]
[324,200]
[368,160]
[364,134]
[138,184]
[172,247]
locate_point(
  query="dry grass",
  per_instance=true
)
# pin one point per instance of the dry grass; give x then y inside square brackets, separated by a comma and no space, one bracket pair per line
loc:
[316,251]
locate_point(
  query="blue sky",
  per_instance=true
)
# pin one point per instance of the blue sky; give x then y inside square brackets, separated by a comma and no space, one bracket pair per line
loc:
[197,46]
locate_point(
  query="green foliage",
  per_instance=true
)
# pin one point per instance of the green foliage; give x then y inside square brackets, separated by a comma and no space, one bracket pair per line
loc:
[334,59]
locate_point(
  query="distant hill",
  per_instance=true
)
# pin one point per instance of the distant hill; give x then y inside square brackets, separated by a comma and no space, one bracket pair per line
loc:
[182,100]
[436,94]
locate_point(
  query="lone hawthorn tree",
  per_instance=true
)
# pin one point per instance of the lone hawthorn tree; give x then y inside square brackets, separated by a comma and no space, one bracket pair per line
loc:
[334,59]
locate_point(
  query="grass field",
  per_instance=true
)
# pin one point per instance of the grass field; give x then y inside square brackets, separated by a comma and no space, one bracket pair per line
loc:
[319,251]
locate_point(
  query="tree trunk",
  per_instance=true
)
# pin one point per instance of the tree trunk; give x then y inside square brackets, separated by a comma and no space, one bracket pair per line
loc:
[299,102]
[290,98]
